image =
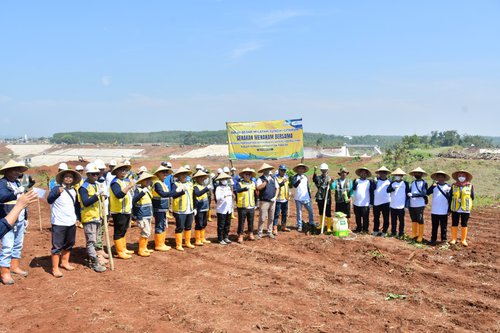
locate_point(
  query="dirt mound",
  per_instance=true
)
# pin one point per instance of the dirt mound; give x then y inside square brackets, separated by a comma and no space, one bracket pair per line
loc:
[473,154]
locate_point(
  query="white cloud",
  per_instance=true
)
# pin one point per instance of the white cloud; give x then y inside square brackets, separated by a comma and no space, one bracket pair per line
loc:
[246,48]
[106,80]
[278,17]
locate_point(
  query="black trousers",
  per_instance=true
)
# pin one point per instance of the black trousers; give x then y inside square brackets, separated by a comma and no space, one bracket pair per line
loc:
[395,215]
[120,223]
[183,222]
[385,210]
[344,207]
[437,222]
[63,238]
[456,217]
[200,220]
[223,225]
[362,218]
[249,215]
[417,214]
[328,211]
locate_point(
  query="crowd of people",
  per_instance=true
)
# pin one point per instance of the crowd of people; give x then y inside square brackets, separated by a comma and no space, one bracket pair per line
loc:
[88,196]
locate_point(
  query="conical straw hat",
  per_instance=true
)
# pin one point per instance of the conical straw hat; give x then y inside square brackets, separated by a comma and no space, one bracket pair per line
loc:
[398,172]
[11,165]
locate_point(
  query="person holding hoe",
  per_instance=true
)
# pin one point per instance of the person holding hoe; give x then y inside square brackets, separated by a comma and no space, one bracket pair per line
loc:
[462,196]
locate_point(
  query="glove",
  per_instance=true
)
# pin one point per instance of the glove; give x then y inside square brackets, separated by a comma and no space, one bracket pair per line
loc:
[210,187]
[179,189]
[410,195]
[144,190]
[273,200]
[20,190]
[195,211]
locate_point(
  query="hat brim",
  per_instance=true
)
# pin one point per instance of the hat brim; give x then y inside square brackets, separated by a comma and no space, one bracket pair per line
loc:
[23,167]
[295,168]
[455,175]
[357,172]
[435,174]
[253,173]
[412,173]
[76,176]
[119,167]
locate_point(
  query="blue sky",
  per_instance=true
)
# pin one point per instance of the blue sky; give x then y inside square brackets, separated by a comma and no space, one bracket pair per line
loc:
[346,67]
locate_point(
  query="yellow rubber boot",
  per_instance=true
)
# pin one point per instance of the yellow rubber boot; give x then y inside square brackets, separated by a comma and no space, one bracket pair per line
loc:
[209,215]
[197,238]
[169,216]
[454,234]
[124,240]
[187,239]
[178,242]
[414,230]
[420,233]
[143,247]
[203,239]
[319,224]
[328,224]
[464,237]
[160,242]
[120,250]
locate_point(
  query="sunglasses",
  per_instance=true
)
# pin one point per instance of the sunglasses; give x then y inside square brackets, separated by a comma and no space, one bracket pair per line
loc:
[94,174]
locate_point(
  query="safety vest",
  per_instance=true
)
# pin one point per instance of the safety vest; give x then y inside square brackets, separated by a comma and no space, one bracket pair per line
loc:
[283,193]
[91,213]
[78,185]
[342,193]
[461,198]
[123,205]
[246,199]
[183,203]
[202,202]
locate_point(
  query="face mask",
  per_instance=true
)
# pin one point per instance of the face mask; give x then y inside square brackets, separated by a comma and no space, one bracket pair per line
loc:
[205,182]
[224,182]
[398,178]
[418,177]
[462,179]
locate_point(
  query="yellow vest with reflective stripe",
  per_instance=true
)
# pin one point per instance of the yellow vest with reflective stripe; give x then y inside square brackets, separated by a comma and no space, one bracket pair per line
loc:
[246,199]
[78,185]
[163,186]
[91,213]
[145,200]
[204,196]
[184,203]
[283,193]
[123,205]
[461,198]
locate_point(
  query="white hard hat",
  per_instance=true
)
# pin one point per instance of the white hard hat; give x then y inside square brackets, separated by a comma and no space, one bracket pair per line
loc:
[226,169]
[63,166]
[91,168]
[219,170]
[126,162]
[112,163]
[99,164]
[143,169]
[199,167]
[79,168]
[323,166]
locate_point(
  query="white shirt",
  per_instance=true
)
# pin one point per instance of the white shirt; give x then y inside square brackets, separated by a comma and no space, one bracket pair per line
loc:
[440,203]
[380,194]
[415,186]
[362,193]
[63,209]
[398,197]
[302,192]
[224,195]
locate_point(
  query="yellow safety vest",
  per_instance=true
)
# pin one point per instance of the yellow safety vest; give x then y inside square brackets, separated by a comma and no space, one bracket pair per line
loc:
[461,198]
[184,203]
[283,193]
[123,205]
[204,196]
[145,200]
[163,186]
[78,185]
[91,213]
[246,199]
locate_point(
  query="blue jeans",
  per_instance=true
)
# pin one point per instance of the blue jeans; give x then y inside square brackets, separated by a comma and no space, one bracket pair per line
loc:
[281,208]
[12,244]
[160,222]
[309,208]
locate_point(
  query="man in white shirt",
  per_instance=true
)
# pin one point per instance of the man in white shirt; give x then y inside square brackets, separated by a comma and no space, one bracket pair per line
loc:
[224,198]
[441,196]
[399,190]
[381,201]
[362,199]
[302,195]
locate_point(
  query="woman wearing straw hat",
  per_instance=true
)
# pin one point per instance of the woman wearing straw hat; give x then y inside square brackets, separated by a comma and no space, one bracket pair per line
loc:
[245,203]
[399,190]
[183,208]
[268,190]
[302,195]
[440,191]
[224,197]
[143,211]
[65,211]
[201,205]
[12,242]
[418,201]
[462,196]
[121,194]
[161,196]
[381,201]
[362,198]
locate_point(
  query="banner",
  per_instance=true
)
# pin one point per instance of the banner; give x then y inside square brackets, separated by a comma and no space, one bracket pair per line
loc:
[263,140]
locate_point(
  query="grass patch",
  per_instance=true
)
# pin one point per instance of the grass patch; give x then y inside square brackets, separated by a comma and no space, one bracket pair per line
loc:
[392,296]
[376,253]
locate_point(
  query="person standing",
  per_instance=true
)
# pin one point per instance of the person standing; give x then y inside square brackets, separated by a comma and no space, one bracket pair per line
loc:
[201,205]
[65,211]
[282,200]
[183,208]
[224,197]
[245,202]
[268,189]
[142,203]
[342,187]
[13,241]
[323,183]
[362,199]
[462,196]
[302,195]
[441,196]
[381,201]
[418,201]
[161,196]
[399,190]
